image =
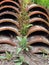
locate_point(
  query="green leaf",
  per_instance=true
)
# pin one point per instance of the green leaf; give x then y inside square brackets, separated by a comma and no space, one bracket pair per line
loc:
[21,58]
[27,49]
[16,61]
[24,42]
[8,55]
[18,50]
[2,57]
[19,38]
[29,25]
[27,62]
[27,1]
[19,63]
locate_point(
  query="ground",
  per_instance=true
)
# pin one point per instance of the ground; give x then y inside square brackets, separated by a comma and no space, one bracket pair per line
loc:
[33,59]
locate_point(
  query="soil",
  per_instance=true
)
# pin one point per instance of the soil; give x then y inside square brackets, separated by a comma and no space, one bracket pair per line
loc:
[33,59]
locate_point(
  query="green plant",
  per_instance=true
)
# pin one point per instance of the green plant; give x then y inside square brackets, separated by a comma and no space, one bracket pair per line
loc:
[44,3]
[23,44]
[20,61]
[23,20]
[8,56]
[2,57]
[45,51]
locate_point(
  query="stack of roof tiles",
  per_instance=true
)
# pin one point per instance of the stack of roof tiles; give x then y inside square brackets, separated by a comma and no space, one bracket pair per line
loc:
[39,17]
[8,20]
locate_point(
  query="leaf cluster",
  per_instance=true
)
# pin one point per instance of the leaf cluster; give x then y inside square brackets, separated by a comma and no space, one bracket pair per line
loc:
[8,56]
[22,43]
[44,3]
[20,61]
